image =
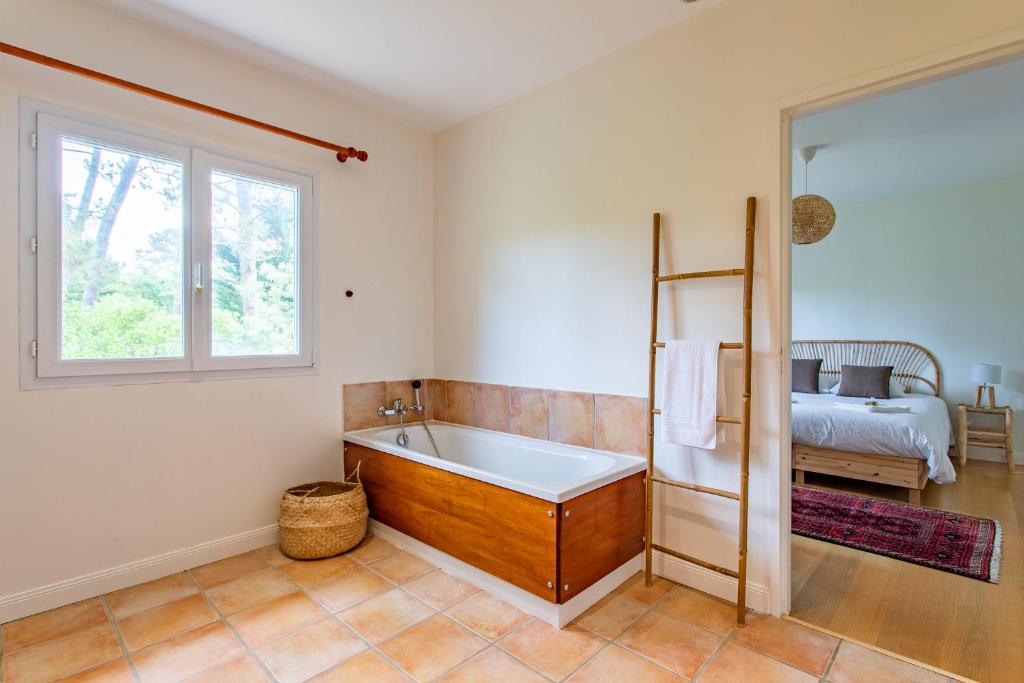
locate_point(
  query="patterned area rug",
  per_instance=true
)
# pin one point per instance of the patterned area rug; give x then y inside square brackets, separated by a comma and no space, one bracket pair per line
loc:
[961,544]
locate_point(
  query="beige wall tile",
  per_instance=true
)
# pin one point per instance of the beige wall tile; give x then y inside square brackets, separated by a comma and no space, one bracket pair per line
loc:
[437,399]
[529,409]
[492,407]
[361,403]
[571,418]
[461,401]
[621,424]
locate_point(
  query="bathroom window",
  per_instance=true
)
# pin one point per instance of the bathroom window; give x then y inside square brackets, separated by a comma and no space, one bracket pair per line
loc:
[154,259]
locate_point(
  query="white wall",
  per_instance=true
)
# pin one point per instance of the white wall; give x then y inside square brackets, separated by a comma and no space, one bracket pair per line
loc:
[97,477]
[543,216]
[941,268]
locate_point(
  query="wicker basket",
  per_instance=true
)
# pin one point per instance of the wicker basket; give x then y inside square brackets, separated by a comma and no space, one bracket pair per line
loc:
[323,519]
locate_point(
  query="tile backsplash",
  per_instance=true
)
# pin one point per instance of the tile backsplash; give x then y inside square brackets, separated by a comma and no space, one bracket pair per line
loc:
[603,421]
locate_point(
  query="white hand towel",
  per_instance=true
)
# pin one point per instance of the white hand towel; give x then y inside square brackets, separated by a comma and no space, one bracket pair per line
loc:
[689,413]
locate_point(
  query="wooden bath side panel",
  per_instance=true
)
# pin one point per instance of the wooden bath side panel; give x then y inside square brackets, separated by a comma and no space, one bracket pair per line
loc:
[504,533]
[603,530]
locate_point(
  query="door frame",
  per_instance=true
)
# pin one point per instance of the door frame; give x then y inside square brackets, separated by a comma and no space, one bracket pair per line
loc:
[954,61]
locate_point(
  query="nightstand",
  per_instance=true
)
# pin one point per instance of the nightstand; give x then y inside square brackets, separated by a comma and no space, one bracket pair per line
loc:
[987,437]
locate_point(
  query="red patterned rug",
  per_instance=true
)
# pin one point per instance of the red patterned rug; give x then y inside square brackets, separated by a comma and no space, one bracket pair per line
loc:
[961,544]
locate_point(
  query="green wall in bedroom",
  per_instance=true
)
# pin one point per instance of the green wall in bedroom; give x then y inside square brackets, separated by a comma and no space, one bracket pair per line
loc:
[942,268]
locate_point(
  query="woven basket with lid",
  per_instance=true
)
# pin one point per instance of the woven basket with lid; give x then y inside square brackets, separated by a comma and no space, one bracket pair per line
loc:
[323,519]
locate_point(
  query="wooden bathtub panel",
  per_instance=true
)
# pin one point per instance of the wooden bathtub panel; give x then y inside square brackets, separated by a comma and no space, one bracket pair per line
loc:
[504,533]
[604,529]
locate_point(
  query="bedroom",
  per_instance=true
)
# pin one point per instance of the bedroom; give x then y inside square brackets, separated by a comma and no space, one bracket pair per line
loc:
[920,271]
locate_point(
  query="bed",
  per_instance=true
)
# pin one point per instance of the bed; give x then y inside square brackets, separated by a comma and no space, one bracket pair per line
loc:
[899,449]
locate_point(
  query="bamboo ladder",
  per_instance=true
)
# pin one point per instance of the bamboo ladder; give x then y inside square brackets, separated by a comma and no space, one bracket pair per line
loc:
[747,271]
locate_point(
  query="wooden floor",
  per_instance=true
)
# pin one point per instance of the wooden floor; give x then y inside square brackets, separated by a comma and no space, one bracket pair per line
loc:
[969,627]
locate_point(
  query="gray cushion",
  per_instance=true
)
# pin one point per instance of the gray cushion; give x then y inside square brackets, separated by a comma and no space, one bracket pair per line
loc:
[805,375]
[865,381]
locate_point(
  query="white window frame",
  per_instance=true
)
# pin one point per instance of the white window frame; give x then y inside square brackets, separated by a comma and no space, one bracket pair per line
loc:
[42,126]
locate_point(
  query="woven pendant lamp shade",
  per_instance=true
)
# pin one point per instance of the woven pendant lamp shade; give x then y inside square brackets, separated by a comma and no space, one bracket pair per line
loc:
[813,218]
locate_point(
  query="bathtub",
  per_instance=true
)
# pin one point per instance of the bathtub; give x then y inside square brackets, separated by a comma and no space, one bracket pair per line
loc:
[549,527]
[543,469]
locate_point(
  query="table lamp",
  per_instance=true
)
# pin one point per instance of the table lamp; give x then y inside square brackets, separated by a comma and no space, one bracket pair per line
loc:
[986,375]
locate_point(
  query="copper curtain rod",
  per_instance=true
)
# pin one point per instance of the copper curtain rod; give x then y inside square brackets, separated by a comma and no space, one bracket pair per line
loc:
[343,153]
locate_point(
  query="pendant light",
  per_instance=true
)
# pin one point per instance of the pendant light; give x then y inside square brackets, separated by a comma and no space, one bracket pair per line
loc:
[813,215]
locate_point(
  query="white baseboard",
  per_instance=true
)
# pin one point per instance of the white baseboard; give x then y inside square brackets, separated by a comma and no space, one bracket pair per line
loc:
[710,582]
[556,615]
[35,600]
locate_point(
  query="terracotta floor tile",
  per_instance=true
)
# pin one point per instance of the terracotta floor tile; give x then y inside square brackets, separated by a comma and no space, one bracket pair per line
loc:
[402,567]
[432,647]
[52,624]
[273,555]
[62,656]
[150,594]
[238,669]
[381,617]
[186,654]
[616,664]
[737,663]
[229,569]
[349,588]
[611,615]
[493,665]
[802,647]
[114,671]
[160,623]
[674,644]
[635,589]
[311,651]
[263,623]
[489,616]
[305,572]
[368,666]
[854,664]
[440,590]
[249,590]
[371,549]
[700,609]
[554,652]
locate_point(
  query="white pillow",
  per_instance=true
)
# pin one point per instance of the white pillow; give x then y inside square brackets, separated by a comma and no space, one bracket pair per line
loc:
[827,384]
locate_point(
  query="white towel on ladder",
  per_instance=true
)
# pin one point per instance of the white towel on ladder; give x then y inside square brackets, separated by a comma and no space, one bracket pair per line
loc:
[689,413]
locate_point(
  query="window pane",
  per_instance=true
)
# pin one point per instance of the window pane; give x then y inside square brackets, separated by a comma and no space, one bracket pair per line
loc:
[122,234]
[254,266]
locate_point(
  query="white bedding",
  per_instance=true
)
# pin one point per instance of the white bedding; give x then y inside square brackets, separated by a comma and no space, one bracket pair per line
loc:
[923,433]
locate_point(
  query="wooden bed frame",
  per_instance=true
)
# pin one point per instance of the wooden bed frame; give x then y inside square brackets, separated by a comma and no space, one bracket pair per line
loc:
[914,366]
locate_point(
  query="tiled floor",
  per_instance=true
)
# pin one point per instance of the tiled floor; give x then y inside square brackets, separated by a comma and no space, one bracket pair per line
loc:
[380,614]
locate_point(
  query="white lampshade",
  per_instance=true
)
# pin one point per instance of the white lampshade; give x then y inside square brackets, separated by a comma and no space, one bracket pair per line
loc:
[986,373]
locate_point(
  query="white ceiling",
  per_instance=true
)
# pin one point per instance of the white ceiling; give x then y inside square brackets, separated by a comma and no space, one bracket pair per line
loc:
[959,130]
[432,63]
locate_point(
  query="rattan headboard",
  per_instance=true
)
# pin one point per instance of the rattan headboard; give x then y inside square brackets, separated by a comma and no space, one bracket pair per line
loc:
[912,363]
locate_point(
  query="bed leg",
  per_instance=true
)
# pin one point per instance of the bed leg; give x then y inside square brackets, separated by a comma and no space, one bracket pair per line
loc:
[915,496]
[799,476]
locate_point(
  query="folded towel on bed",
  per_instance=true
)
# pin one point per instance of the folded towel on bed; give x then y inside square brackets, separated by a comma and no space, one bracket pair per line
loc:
[866,408]
[689,414]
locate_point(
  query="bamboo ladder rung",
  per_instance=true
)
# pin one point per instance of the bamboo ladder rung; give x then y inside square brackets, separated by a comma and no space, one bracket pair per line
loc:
[694,560]
[740,574]
[725,345]
[721,418]
[728,272]
[698,488]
